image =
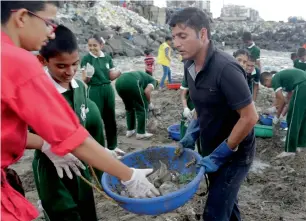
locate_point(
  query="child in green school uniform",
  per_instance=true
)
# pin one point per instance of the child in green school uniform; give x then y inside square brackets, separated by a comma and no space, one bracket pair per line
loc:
[290,80]
[300,61]
[135,90]
[98,71]
[67,198]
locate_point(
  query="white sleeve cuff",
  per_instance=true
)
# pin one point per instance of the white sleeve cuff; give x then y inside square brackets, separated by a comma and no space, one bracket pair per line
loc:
[184,88]
[152,86]
[278,89]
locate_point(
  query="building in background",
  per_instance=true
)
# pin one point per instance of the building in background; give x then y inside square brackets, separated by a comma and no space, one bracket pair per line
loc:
[239,13]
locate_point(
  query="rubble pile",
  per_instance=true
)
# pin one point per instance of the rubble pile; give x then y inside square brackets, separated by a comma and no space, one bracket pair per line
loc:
[129,34]
[126,33]
[275,36]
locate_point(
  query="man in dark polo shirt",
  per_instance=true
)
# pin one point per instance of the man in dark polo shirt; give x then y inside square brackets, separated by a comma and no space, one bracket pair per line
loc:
[227,115]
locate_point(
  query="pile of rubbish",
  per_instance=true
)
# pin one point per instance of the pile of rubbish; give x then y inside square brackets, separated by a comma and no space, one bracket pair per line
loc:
[167,181]
[268,35]
[126,33]
[129,34]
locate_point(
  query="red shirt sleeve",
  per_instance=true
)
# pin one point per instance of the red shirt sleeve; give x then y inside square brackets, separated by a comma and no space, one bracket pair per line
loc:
[32,96]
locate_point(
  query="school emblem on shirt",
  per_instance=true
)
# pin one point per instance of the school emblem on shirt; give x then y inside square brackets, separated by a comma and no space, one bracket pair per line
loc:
[83,112]
[107,65]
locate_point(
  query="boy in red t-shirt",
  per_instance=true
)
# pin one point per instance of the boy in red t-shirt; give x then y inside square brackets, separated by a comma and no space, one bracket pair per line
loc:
[149,62]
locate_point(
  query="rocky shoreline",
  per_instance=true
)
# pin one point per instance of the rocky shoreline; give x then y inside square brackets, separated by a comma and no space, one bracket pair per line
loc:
[128,34]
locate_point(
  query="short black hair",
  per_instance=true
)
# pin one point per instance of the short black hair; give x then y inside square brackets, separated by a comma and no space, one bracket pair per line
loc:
[301,52]
[98,38]
[247,36]
[293,55]
[33,6]
[273,72]
[252,58]
[194,18]
[241,52]
[148,51]
[168,38]
[264,76]
[65,42]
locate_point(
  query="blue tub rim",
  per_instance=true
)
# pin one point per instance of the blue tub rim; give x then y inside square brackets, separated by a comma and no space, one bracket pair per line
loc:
[174,132]
[124,200]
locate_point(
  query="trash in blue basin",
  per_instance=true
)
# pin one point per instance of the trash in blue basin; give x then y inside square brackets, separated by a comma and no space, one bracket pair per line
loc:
[283,124]
[174,132]
[149,158]
[266,120]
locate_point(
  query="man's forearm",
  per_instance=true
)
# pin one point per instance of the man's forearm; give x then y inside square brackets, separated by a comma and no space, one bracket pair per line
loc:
[34,141]
[95,155]
[240,131]
[248,118]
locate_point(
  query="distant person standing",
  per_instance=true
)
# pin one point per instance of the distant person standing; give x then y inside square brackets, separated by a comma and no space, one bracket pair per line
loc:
[251,47]
[149,62]
[164,58]
[300,61]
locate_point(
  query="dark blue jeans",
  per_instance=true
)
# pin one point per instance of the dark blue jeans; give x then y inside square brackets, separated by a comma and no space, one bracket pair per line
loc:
[224,185]
[167,72]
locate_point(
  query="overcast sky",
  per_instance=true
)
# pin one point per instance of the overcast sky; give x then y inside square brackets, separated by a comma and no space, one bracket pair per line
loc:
[275,10]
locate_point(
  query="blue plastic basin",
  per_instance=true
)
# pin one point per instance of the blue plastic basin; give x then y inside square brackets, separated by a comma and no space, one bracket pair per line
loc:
[149,158]
[174,132]
[283,124]
[266,120]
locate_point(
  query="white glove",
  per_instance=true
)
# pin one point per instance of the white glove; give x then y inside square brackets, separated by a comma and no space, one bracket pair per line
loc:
[151,106]
[281,117]
[116,153]
[90,70]
[275,120]
[187,113]
[271,110]
[67,162]
[119,151]
[139,186]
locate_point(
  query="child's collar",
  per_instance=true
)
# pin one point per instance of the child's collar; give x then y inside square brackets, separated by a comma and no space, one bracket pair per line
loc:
[59,88]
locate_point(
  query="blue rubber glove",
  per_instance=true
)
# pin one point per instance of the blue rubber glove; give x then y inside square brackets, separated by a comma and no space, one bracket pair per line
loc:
[191,135]
[217,158]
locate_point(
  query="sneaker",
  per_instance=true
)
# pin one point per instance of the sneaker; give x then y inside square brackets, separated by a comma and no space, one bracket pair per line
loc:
[130,133]
[143,136]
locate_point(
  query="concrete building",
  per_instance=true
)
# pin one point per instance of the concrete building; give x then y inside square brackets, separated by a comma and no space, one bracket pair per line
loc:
[239,13]
[202,4]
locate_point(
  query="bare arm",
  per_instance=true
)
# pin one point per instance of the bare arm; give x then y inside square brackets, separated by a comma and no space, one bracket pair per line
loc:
[248,118]
[148,92]
[34,141]
[84,76]
[280,102]
[95,155]
[183,97]
[114,74]
[258,64]
[255,91]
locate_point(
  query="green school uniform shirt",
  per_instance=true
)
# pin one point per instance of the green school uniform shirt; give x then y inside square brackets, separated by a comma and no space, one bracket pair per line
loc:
[254,51]
[299,64]
[143,78]
[288,79]
[85,109]
[253,78]
[184,86]
[102,65]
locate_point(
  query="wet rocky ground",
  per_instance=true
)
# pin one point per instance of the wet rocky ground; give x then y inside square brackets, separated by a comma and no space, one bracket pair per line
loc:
[275,189]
